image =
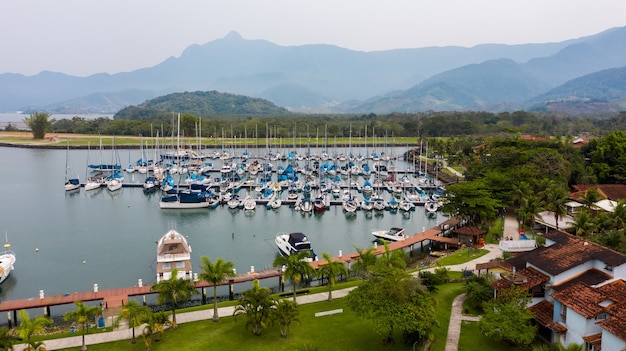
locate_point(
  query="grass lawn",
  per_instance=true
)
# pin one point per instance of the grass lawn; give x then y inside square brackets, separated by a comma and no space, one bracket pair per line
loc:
[461,256]
[445,295]
[342,331]
[472,339]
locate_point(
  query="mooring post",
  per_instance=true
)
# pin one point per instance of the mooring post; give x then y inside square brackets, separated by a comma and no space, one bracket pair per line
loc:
[231,289]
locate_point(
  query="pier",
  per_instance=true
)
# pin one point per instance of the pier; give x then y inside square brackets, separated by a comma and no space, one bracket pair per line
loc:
[117,297]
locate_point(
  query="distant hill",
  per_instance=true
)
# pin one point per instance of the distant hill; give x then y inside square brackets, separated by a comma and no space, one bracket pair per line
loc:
[201,103]
[599,92]
[316,78]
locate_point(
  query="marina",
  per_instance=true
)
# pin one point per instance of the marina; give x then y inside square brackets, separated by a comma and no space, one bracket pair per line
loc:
[67,241]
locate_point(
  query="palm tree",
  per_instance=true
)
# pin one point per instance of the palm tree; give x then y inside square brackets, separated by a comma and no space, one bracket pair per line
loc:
[331,270]
[174,290]
[583,224]
[82,315]
[258,306]
[295,267]
[215,273]
[530,206]
[396,258]
[133,313]
[7,339]
[618,217]
[556,199]
[590,198]
[155,323]
[29,327]
[286,313]
[364,261]
[520,190]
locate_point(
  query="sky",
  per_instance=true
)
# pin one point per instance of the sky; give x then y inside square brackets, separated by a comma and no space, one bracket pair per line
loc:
[83,37]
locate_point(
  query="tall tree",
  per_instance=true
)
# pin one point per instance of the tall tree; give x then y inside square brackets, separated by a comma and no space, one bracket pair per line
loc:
[133,313]
[530,206]
[584,225]
[29,327]
[39,124]
[471,201]
[364,261]
[395,258]
[81,315]
[174,290]
[331,269]
[555,202]
[590,198]
[295,267]
[215,273]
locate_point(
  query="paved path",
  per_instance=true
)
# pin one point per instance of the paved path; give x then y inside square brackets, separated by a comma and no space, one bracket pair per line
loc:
[456,319]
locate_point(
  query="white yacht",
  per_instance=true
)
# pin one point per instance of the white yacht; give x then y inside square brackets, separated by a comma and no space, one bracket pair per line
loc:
[393,234]
[7,260]
[294,243]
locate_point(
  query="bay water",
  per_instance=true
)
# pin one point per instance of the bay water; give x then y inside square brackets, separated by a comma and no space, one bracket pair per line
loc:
[67,242]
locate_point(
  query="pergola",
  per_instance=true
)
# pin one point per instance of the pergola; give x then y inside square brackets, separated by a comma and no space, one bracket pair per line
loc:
[469,235]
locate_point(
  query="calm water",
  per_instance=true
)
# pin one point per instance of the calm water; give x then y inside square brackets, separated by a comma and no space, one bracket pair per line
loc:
[67,242]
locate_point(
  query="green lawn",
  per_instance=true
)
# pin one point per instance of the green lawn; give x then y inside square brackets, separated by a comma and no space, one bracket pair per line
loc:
[341,331]
[461,256]
[472,339]
[445,295]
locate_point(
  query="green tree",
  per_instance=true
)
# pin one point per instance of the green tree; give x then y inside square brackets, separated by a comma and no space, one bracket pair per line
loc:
[29,327]
[392,298]
[365,260]
[478,290]
[471,201]
[133,313]
[506,318]
[174,290]
[258,307]
[556,200]
[39,124]
[215,273]
[286,313]
[590,198]
[295,267]
[155,323]
[82,315]
[530,206]
[583,224]
[395,258]
[7,339]
[331,269]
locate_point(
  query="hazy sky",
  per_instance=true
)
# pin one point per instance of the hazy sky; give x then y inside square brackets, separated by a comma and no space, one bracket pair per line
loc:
[82,37]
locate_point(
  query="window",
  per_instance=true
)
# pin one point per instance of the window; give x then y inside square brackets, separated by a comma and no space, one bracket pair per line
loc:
[167,266]
[563,313]
[180,264]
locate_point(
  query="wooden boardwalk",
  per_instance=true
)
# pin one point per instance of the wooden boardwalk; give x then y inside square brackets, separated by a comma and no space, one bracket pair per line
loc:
[116,297]
[432,234]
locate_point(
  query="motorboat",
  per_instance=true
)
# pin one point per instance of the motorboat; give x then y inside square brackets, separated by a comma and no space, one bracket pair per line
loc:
[7,260]
[294,243]
[431,206]
[393,234]
[173,252]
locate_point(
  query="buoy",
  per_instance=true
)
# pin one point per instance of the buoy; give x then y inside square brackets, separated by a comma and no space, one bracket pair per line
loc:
[128,205]
[84,261]
[36,249]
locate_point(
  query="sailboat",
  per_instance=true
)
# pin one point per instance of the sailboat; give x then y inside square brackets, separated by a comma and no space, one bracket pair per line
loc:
[7,260]
[70,183]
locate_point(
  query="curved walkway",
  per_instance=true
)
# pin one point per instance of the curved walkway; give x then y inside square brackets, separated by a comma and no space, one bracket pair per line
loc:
[456,318]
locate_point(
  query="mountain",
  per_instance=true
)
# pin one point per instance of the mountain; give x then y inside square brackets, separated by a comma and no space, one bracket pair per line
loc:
[598,92]
[201,103]
[323,77]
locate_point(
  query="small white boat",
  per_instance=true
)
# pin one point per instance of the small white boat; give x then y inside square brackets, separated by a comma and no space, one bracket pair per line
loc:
[275,203]
[393,234]
[249,204]
[293,243]
[7,260]
[350,205]
[114,184]
[173,252]
[431,206]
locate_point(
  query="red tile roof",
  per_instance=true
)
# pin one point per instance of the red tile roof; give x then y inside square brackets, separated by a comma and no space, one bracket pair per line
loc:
[567,252]
[525,279]
[586,300]
[494,264]
[589,277]
[616,324]
[612,191]
[595,340]
[544,312]
[470,230]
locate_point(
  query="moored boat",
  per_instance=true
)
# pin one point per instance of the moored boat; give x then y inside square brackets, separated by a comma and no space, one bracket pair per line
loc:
[173,252]
[7,260]
[393,234]
[294,243]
